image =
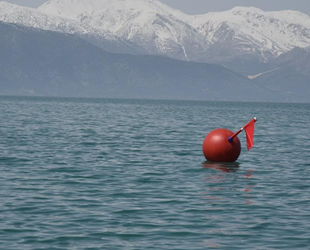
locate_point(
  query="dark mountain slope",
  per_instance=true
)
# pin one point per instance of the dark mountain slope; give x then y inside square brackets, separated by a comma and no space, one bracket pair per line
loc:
[291,76]
[56,64]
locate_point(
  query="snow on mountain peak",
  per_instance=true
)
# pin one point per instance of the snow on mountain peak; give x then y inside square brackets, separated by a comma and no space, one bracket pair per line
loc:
[73,8]
[255,31]
[160,29]
[148,23]
[30,17]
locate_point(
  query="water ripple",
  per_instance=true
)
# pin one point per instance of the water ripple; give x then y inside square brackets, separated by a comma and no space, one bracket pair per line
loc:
[129,174]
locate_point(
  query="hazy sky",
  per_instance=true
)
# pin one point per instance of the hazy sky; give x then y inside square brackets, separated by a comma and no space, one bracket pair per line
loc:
[204,6]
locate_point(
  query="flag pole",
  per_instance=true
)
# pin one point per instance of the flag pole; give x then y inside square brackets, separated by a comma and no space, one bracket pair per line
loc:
[230,138]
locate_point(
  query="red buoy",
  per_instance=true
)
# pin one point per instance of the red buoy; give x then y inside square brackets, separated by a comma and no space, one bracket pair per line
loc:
[217,148]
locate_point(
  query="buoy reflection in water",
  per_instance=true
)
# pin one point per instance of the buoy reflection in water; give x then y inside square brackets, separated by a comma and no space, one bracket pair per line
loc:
[224,167]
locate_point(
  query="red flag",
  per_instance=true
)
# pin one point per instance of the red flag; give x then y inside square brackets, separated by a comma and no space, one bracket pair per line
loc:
[249,130]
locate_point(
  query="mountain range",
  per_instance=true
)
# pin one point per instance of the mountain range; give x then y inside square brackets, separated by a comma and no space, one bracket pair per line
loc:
[266,47]
[49,63]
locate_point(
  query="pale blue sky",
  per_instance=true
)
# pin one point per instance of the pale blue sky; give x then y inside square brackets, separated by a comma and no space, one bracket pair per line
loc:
[204,6]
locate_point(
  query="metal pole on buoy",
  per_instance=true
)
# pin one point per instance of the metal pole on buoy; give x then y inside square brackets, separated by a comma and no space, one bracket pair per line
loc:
[230,138]
[223,145]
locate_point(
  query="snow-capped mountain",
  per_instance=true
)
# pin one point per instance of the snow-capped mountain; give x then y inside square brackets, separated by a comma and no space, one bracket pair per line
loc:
[147,23]
[156,33]
[29,17]
[73,8]
[243,34]
[11,13]
[244,39]
[252,30]
[247,39]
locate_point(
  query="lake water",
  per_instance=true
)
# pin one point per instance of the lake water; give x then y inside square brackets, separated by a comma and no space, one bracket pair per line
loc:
[129,174]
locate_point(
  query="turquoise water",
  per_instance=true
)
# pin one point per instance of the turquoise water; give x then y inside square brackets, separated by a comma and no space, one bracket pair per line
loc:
[129,174]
